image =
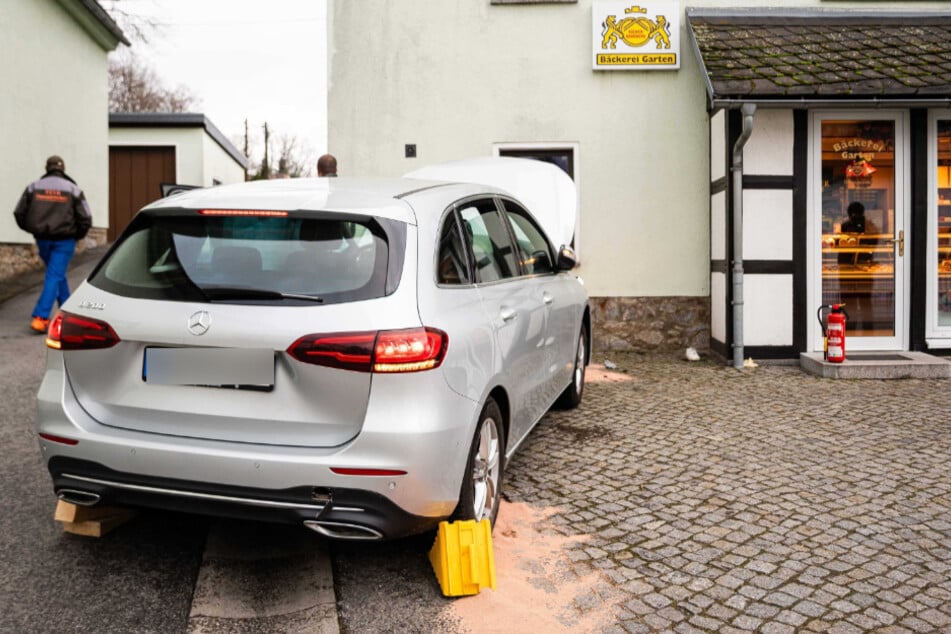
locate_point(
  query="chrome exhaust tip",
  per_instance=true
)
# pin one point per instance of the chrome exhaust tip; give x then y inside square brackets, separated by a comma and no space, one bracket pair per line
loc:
[343,530]
[79,498]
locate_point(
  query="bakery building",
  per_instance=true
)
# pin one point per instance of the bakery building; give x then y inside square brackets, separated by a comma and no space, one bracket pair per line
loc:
[737,168]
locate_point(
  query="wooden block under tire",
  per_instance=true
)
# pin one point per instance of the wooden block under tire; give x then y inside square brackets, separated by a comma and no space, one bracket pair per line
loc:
[93,521]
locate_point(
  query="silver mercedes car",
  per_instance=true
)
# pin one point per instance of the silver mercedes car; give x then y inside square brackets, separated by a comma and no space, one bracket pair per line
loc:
[361,357]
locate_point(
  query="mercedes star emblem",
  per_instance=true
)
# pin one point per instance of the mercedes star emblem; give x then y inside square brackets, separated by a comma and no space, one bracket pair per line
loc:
[199,323]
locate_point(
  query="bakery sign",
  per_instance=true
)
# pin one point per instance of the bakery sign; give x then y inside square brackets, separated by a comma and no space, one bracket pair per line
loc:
[644,36]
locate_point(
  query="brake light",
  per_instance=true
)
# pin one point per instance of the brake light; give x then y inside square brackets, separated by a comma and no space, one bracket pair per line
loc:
[409,350]
[243,212]
[389,351]
[75,332]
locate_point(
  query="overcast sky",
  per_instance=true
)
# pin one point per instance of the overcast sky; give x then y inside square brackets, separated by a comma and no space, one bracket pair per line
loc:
[261,60]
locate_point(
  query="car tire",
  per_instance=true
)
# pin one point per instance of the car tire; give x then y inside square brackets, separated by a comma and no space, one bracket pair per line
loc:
[481,491]
[571,397]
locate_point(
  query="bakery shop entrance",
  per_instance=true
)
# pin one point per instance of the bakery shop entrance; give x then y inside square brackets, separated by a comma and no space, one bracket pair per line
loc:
[859,202]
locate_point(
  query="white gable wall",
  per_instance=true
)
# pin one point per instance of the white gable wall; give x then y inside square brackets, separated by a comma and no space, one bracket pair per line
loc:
[455,78]
[54,91]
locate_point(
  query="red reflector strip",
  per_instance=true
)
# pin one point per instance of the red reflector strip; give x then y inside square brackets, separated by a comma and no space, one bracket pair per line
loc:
[59,439]
[367,472]
[243,212]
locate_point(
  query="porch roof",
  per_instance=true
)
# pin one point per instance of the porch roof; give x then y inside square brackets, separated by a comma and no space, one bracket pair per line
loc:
[783,57]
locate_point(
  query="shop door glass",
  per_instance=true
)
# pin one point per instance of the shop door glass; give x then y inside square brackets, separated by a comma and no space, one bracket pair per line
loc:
[862,228]
[944,225]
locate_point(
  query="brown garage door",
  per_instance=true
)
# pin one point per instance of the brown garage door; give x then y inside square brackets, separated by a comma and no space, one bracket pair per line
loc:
[135,176]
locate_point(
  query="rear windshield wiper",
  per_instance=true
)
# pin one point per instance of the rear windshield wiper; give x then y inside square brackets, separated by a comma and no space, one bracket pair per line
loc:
[238,292]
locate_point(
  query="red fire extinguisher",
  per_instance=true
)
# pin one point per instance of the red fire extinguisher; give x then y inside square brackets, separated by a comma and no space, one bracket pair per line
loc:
[833,332]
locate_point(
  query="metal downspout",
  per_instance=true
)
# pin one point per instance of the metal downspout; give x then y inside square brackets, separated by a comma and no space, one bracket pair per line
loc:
[748,110]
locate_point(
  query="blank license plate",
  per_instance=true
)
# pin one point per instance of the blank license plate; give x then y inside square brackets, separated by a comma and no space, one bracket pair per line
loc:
[208,366]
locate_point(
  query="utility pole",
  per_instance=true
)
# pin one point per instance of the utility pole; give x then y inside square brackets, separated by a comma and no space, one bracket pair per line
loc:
[266,166]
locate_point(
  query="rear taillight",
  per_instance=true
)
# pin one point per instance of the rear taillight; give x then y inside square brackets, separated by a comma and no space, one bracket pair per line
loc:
[390,351]
[409,350]
[75,332]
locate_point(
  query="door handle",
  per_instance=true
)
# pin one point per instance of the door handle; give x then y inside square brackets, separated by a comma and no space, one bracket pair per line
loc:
[547,298]
[507,314]
[901,243]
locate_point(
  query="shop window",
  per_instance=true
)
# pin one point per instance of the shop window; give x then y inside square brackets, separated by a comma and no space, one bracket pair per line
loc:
[858,222]
[943,180]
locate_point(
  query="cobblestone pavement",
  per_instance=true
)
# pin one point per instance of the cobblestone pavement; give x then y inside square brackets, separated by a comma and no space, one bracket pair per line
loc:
[760,500]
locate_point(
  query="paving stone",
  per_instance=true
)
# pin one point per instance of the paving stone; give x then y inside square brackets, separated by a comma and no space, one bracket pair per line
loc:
[809,507]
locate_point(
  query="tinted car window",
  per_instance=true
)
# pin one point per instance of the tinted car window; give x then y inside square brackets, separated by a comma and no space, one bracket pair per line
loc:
[534,251]
[489,241]
[191,257]
[452,263]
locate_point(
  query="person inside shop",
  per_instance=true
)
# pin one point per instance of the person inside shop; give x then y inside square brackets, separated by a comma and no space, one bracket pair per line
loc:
[858,223]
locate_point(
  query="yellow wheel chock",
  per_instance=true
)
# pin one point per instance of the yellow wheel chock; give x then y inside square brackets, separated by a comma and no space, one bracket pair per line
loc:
[462,557]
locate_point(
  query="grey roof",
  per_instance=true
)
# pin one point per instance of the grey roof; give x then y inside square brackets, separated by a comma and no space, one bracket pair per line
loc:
[177,120]
[807,55]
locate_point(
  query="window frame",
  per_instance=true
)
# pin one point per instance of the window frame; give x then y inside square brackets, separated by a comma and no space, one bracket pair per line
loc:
[500,202]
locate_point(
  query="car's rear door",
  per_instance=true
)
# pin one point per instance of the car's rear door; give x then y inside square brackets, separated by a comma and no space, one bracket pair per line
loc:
[515,308]
[557,297]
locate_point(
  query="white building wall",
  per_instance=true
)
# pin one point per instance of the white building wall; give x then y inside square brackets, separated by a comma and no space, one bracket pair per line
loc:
[769,150]
[55,104]
[718,226]
[188,144]
[218,165]
[454,78]
[718,307]
[767,224]
[718,167]
[767,310]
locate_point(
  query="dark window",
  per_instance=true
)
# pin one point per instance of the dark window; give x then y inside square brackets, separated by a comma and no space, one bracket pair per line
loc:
[489,241]
[189,257]
[534,252]
[561,157]
[452,265]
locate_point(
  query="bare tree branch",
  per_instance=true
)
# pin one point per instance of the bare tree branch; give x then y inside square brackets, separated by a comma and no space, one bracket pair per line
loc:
[137,25]
[135,87]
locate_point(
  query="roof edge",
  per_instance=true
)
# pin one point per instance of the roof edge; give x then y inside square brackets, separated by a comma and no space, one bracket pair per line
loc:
[747,15]
[178,120]
[96,22]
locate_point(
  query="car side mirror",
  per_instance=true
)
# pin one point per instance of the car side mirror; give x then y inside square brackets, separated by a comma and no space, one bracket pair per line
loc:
[567,259]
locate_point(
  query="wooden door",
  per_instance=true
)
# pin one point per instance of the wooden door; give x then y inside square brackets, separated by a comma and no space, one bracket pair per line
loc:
[135,177]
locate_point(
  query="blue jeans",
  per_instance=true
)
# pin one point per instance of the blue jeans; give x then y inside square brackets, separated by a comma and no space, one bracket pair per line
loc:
[56,254]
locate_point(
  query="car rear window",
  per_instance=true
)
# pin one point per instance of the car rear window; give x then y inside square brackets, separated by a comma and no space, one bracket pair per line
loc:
[254,259]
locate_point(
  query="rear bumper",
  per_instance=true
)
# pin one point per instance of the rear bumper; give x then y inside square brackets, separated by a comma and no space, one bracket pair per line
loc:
[336,513]
[428,441]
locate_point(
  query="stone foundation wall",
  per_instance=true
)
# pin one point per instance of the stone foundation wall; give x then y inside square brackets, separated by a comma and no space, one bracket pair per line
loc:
[650,324]
[16,259]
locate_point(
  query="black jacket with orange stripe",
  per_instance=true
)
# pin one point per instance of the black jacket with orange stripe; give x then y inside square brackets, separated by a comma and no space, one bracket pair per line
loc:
[54,208]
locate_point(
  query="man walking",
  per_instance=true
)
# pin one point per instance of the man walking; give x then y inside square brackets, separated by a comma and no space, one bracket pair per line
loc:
[54,210]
